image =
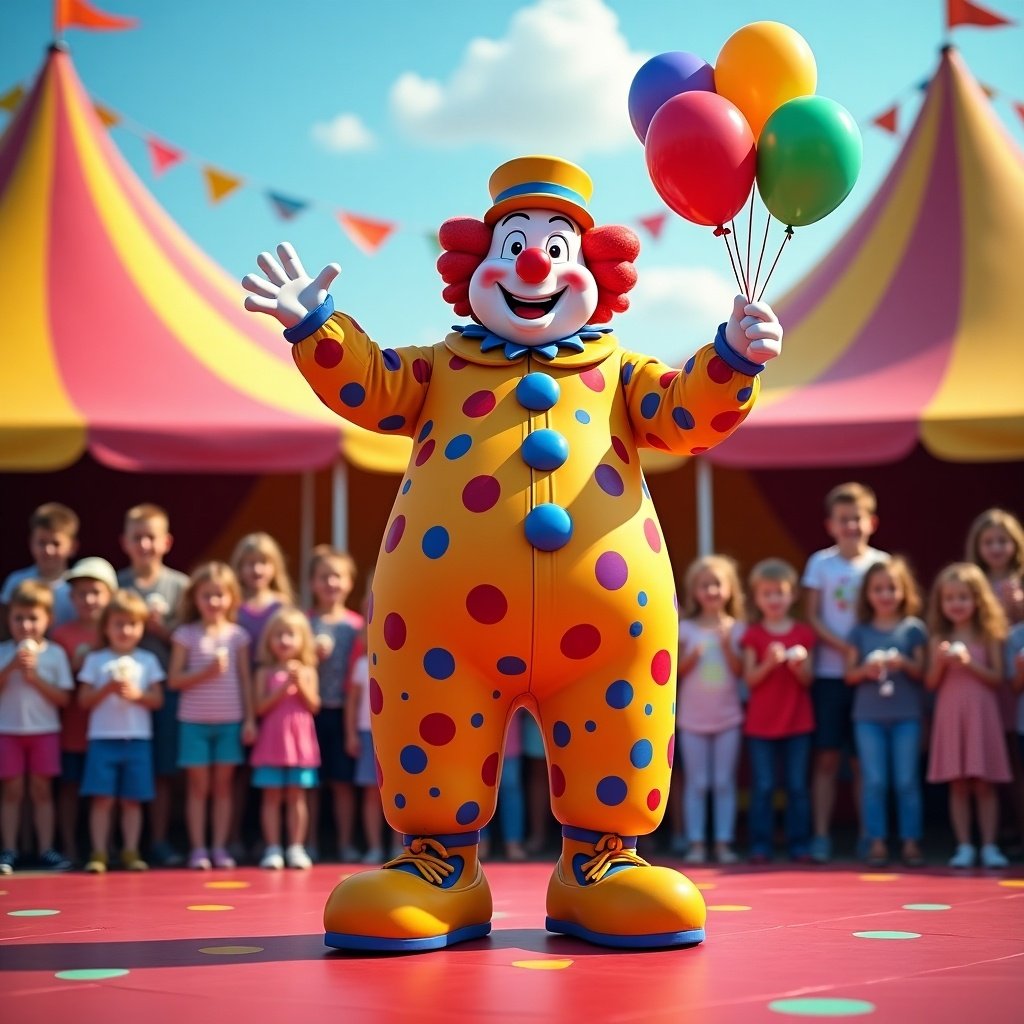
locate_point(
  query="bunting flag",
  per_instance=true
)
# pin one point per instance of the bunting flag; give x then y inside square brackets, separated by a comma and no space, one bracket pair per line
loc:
[1019,107]
[218,184]
[162,155]
[887,120]
[365,233]
[110,118]
[654,224]
[285,207]
[10,99]
[963,12]
[989,92]
[78,14]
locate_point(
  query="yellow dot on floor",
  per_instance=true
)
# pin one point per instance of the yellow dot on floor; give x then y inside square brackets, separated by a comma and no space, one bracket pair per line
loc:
[705,886]
[728,906]
[209,906]
[543,965]
[878,878]
[1012,883]
[226,885]
[230,950]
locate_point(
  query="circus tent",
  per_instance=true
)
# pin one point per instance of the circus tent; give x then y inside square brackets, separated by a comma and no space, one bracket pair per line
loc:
[121,338]
[907,333]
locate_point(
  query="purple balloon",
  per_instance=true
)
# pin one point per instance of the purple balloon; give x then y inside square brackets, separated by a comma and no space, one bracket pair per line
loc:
[660,79]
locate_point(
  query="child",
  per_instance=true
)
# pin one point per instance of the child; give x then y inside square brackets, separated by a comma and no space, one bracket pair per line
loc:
[35,681]
[885,664]
[966,667]
[53,540]
[336,629]
[210,666]
[121,689]
[709,714]
[995,543]
[286,756]
[780,719]
[92,582]
[831,581]
[146,540]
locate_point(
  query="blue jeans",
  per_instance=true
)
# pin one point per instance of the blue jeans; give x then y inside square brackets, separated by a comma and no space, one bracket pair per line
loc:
[878,744]
[795,752]
[511,802]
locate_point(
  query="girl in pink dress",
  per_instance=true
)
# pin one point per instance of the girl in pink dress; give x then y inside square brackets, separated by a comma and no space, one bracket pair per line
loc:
[968,750]
[286,756]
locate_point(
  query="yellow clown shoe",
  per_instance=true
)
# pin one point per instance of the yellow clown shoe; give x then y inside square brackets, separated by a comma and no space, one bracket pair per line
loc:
[601,891]
[431,896]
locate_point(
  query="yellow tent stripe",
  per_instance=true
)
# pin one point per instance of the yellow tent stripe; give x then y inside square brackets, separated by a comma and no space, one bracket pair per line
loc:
[43,430]
[829,329]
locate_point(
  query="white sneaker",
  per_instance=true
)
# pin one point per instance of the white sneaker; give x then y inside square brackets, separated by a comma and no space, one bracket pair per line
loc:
[964,856]
[992,857]
[375,855]
[296,857]
[272,859]
[696,854]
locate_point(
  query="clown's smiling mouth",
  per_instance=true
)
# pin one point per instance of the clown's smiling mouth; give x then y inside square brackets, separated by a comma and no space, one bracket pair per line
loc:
[526,310]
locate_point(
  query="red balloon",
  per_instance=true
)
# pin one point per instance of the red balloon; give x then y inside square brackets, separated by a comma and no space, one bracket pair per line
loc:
[701,157]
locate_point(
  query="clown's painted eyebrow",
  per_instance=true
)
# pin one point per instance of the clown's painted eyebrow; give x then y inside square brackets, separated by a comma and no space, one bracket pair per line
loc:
[516,214]
[564,220]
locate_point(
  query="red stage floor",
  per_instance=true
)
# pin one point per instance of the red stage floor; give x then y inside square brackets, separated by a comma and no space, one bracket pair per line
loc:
[246,946]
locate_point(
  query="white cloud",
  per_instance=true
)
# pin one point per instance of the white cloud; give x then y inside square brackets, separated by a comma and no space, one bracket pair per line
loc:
[344,134]
[676,310]
[558,82]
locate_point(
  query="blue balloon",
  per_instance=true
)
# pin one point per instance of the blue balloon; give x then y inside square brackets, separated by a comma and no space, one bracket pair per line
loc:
[660,79]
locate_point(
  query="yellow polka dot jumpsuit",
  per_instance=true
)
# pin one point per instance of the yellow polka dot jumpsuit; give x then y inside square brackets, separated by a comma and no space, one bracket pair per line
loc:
[523,564]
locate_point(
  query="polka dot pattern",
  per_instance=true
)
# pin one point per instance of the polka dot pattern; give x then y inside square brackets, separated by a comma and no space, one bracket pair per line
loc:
[593,379]
[439,663]
[683,418]
[725,421]
[641,754]
[376,697]
[392,360]
[328,353]
[561,734]
[619,695]
[580,641]
[620,449]
[718,370]
[353,395]
[394,631]
[468,813]
[395,422]
[413,759]
[437,729]
[609,480]
[481,494]
[435,542]
[395,533]
[486,604]
[611,790]
[480,403]
[511,666]
[557,780]
[649,405]
[652,534]
[458,446]
[489,771]
[423,455]
[611,570]
[661,667]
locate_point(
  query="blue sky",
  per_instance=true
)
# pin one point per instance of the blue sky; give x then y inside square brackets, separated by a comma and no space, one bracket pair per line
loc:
[400,109]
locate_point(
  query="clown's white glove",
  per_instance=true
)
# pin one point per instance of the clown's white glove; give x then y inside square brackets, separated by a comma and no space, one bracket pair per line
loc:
[754,330]
[287,292]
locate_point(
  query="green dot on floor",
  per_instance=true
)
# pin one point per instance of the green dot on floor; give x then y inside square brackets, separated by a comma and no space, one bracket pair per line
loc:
[32,913]
[822,1007]
[927,906]
[887,935]
[92,974]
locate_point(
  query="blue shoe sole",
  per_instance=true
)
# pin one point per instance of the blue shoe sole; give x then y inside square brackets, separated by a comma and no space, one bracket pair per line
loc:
[376,944]
[656,940]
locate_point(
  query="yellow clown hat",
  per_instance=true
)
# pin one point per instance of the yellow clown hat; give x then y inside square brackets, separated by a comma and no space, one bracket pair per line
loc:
[548,182]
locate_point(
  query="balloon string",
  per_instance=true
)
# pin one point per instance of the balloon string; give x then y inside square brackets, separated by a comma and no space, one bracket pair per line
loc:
[764,242]
[745,287]
[789,235]
[750,231]
[724,232]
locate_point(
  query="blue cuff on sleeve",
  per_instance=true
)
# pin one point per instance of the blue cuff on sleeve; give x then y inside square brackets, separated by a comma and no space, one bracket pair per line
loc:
[725,352]
[311,322]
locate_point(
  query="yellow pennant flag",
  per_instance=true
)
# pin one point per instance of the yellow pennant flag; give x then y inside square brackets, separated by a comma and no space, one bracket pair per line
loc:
[109,117]
[9,100]
[219,184]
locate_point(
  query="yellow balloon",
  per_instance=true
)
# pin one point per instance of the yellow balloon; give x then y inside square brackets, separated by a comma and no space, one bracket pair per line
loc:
[762,66]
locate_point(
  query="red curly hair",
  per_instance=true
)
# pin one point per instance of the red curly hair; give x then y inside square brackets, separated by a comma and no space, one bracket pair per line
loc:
[609,253]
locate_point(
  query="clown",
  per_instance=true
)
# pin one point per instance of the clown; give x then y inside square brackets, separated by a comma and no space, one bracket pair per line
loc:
[523,564]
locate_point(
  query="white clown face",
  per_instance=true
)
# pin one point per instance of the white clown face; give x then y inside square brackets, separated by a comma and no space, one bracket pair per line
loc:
[533,286]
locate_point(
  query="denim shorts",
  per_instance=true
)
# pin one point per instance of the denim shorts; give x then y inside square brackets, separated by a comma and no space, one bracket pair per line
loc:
[335,763]
[271,777]
[205,743]
[121,768]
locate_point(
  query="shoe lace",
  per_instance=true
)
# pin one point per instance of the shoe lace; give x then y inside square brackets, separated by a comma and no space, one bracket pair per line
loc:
[421,855]
[610,851]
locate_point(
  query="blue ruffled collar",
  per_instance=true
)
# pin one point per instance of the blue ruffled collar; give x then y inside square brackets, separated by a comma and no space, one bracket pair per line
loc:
[513,350]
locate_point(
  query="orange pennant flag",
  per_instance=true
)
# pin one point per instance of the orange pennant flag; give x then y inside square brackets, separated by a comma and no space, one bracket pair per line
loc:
[10,99]
[963,12]
[219,184]
[367,234]
[163,156]
[654,224]
[887,120]
[79,14]
[109,117]
[988,90]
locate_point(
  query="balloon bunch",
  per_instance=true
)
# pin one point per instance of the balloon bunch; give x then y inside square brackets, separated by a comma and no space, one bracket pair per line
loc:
[708,133]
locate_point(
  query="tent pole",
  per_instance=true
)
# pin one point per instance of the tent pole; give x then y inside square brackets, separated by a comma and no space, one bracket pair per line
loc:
[705,509]
[339,505]
[307,509]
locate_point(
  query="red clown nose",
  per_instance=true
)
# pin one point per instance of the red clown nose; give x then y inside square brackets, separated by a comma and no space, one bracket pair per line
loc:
[533,265]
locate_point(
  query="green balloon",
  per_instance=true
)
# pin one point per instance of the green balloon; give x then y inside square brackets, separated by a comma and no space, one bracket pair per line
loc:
[808,159]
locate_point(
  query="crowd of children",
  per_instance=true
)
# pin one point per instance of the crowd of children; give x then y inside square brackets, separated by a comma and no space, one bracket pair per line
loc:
[152,694]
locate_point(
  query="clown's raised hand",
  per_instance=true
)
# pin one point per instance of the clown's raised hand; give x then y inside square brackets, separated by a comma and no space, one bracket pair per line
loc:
[287,292]
[754,330]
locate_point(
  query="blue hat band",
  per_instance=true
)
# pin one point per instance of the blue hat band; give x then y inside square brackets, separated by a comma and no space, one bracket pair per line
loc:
[527,188]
